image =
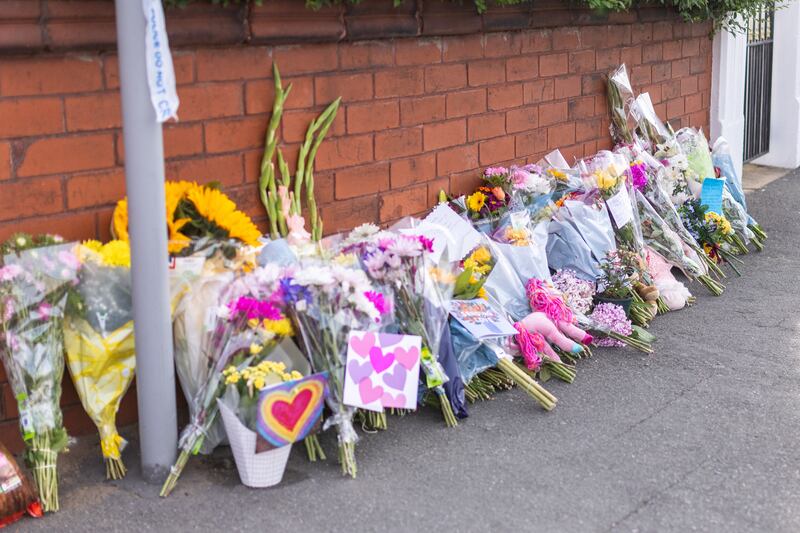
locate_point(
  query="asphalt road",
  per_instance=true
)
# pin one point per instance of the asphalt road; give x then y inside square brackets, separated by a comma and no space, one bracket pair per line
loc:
[702,435]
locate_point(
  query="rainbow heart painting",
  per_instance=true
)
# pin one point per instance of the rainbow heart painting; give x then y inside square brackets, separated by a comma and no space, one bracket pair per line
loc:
[382,370]
[289,411]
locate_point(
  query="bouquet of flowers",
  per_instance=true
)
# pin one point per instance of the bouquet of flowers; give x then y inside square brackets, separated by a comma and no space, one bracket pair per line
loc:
[245,328]
[422,295]
[199,218]
[486,205]
[711,230]
[620,96]
[476,268]
[99,342]
[326,301]
[611,317]
[36,280]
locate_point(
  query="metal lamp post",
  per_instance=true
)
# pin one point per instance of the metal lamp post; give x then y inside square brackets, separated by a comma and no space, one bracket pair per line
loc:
[144,180]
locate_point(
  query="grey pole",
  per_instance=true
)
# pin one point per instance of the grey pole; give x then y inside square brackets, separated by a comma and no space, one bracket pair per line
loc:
[144,181]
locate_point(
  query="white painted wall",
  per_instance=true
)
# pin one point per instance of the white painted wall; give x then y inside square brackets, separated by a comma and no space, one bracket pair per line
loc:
[727,92]
[784,140]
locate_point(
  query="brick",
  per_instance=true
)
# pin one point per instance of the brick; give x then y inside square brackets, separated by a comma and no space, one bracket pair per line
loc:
[399,82]
[462,103]
[560,135]
[464,182]
[582,108]
[531,142]
[5,160]
[350,87]
[680,68]
[661,72]
[552,113]
[26,198]
[497,150]
[424,109]
[565,39]
[675,108]
[654,91]
[619,36]
[235,134]
[361,181]
[204,101]
[260,94]
[183,64]
[522,68]
[97,188]
[93,112]
[226,169]
[693,103]
[486,72]
[404,172]
[537,91]
[486,126]
[671,50]
[505,96]
[698,64]
[631,55]
[662,31]
[362,55]
[522,119]
[398,204]
[67,154]
[594,36]
[439,78]
[538,41]
[398,143]
[239,63]
[39,76]
[583,61]
[71,226]
[440,184]
[553,64]
[457,159]
[182,140]
[306,58]
[346,214]
[593,84]
[23,117]
[587,129]
[652,53]
[688,85]
[374,116]
[642,74]
[502,44]
[690,47]
[344,152]
[607,59]
[462,47]
[417,51]
[568,87]
[671,89]
[444,134]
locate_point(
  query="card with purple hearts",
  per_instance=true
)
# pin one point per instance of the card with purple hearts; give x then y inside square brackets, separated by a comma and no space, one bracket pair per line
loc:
[382,370]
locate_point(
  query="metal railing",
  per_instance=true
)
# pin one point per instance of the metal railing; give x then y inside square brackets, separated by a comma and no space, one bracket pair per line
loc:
[758,84]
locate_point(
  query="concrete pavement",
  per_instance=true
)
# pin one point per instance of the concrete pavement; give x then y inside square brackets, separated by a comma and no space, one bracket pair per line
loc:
[702,435]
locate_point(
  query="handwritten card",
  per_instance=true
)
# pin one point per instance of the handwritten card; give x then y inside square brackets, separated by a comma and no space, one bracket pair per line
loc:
[459,234]
[382,370]
[287,412]
[480,319]
[619,206]
[711,194]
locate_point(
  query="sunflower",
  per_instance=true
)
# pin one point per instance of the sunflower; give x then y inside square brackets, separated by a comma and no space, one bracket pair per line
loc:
[174,192]
[214,206]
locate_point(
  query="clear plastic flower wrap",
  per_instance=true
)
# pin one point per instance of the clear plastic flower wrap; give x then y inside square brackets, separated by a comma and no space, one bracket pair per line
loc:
[99,342]
[620,97]
[698,154]
[649,128]
[523,244]
[36,280]
[326,302]
[242,325]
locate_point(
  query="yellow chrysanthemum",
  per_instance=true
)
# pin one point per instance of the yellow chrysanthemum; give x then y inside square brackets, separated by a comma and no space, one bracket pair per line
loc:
[214,206]
[482,293]
[557,174]
[281,328]
[116,253]
[475,201]
[93,245]
[722,223]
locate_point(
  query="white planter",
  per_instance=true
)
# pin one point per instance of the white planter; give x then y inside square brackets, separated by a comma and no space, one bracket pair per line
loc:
[263,469]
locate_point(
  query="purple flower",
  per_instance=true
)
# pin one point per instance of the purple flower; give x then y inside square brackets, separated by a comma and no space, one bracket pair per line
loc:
[292,292]
[495,171]
[379,301]
[427,244]
[45,310]
[9,272]
[611,316]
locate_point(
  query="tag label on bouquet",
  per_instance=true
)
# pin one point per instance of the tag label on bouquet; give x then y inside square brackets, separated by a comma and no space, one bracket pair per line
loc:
[620,208]
[9,479]
[459,234]
[25,417]
[480,319]
[711,194]
[187,265]
[382,370]
[160,71]
[288,412]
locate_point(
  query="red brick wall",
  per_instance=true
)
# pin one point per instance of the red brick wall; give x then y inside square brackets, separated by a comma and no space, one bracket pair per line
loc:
[419,114]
